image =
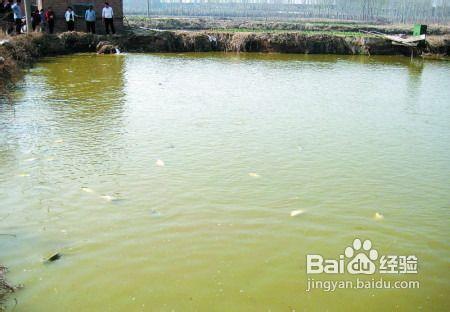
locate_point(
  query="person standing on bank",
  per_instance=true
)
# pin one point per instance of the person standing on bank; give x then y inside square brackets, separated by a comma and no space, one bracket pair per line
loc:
[43,21]
[9,17]
[50,18]
[17,10]
[90,18]
[70,19]
[36,21]
[108,18]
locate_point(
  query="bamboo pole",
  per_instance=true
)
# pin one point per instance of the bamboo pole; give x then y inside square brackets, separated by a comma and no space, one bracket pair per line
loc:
[27,5]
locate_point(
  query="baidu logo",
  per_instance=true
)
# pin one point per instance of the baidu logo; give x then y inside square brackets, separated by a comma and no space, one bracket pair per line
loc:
[361,258]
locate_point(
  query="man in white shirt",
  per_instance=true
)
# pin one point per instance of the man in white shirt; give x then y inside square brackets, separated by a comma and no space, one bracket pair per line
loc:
[70,19]
[108,18]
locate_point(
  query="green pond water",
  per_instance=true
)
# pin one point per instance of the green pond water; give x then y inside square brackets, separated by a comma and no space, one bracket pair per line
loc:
[167,182]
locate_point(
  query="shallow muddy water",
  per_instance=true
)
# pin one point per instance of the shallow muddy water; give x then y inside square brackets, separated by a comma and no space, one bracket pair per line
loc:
[167,182]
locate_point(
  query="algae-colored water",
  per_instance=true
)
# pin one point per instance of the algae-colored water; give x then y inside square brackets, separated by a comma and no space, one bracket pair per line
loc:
[244,140]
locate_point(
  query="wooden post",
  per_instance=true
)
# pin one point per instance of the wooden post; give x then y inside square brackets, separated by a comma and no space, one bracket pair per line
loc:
[27,5]
[148,13]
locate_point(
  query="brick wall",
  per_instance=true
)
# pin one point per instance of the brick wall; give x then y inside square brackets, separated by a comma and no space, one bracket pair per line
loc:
[60,7]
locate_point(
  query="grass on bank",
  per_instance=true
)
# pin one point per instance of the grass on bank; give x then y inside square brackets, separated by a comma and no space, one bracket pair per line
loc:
[304,32]
[260,25]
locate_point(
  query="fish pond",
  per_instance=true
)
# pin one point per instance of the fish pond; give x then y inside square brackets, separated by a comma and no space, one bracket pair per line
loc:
[201,182]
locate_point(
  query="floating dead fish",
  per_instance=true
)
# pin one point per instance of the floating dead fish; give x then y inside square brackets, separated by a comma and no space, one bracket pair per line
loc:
[160,163]
[297,212]
[87,190]
[108,198]
[59,141]
[54,257]
[254,175]
[30,159]
[155,213]
[23,175]
[378,216]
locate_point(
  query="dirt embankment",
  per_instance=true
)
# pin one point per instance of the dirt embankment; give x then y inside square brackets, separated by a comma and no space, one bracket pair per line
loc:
[282,42]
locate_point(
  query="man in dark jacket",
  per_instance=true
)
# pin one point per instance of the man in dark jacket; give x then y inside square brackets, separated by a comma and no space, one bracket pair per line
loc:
[8,16]
[50,18]
[36,20]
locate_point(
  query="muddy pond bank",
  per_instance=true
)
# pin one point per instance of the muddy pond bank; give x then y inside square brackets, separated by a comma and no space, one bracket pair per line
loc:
[279,42]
